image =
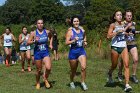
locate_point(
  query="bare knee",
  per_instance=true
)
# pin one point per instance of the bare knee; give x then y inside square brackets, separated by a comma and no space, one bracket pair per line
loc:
[126,66]
[48,69]
[83,68]
[7,54]
[28,57]
[136,61]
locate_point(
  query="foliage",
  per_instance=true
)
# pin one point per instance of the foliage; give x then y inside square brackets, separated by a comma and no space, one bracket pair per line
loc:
[95,15]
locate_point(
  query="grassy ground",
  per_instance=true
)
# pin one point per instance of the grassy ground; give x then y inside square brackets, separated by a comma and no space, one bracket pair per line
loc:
[12,80]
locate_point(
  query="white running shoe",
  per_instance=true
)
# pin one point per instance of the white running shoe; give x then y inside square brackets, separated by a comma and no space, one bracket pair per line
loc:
[84,86]
[120,78]
[128,88]
[134,79]
[72,85]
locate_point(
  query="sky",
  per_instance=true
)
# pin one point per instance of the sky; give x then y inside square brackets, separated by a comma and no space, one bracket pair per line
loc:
[65,2]
[2,2]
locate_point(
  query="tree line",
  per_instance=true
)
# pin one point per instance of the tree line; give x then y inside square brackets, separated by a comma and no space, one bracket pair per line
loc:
[94,13]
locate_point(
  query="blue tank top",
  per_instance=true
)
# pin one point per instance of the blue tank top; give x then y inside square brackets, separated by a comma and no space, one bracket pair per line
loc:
[41,45]
[80,35]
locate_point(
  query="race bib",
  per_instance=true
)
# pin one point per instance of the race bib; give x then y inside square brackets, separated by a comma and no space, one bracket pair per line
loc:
[130,38]
[42,47]
[80,43]
[120,38]
[8,40]
[24,43]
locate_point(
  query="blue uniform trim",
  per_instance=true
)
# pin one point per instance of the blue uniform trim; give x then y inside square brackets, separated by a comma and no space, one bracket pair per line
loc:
[76,53]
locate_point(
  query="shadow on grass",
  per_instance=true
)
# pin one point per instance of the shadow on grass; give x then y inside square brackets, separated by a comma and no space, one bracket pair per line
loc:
[115,84]
[42,84]
[77,73]
[77,84]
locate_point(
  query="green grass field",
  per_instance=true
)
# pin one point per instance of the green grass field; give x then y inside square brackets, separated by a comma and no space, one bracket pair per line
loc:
[12,80]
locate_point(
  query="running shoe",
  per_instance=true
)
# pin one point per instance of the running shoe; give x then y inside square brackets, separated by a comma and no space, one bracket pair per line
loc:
[22,70]
[37,86]
[120,77]
[134,79]
[84,86]
[47,85]
[109,78]
[7,64]
[128,88]
[13,62]
[72,85]
[29,69]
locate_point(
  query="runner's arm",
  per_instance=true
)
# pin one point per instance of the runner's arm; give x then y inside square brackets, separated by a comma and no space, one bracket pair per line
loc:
[110,33]
[68,36]
[20,39]
[31,39]
[13,38]
[50,38]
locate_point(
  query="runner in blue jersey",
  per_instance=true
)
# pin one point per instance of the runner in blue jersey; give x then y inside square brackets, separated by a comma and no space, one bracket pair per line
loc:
[41,51]
[77,39]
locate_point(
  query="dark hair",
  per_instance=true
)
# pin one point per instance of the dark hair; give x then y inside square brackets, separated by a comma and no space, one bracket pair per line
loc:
[73,19]
[23,27]
[112,18]
[33,28]
[39,19]
[127,11]
[9,29]
[54,33]
[52,30]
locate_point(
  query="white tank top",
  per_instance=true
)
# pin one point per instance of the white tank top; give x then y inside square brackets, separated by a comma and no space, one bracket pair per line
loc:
[119,40]
[7,40]
[23,45]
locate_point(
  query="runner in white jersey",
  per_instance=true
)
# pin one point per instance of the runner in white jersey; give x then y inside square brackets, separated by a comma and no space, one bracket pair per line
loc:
[118,47]
[24,48]
[8,39]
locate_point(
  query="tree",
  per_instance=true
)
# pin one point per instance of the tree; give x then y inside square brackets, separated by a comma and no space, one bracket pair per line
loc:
[15,11]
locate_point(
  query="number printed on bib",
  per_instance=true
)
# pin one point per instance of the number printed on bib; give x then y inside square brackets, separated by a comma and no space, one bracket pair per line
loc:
[8,40]
[130,38]
[42,47]
[120,38]
[80,43]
